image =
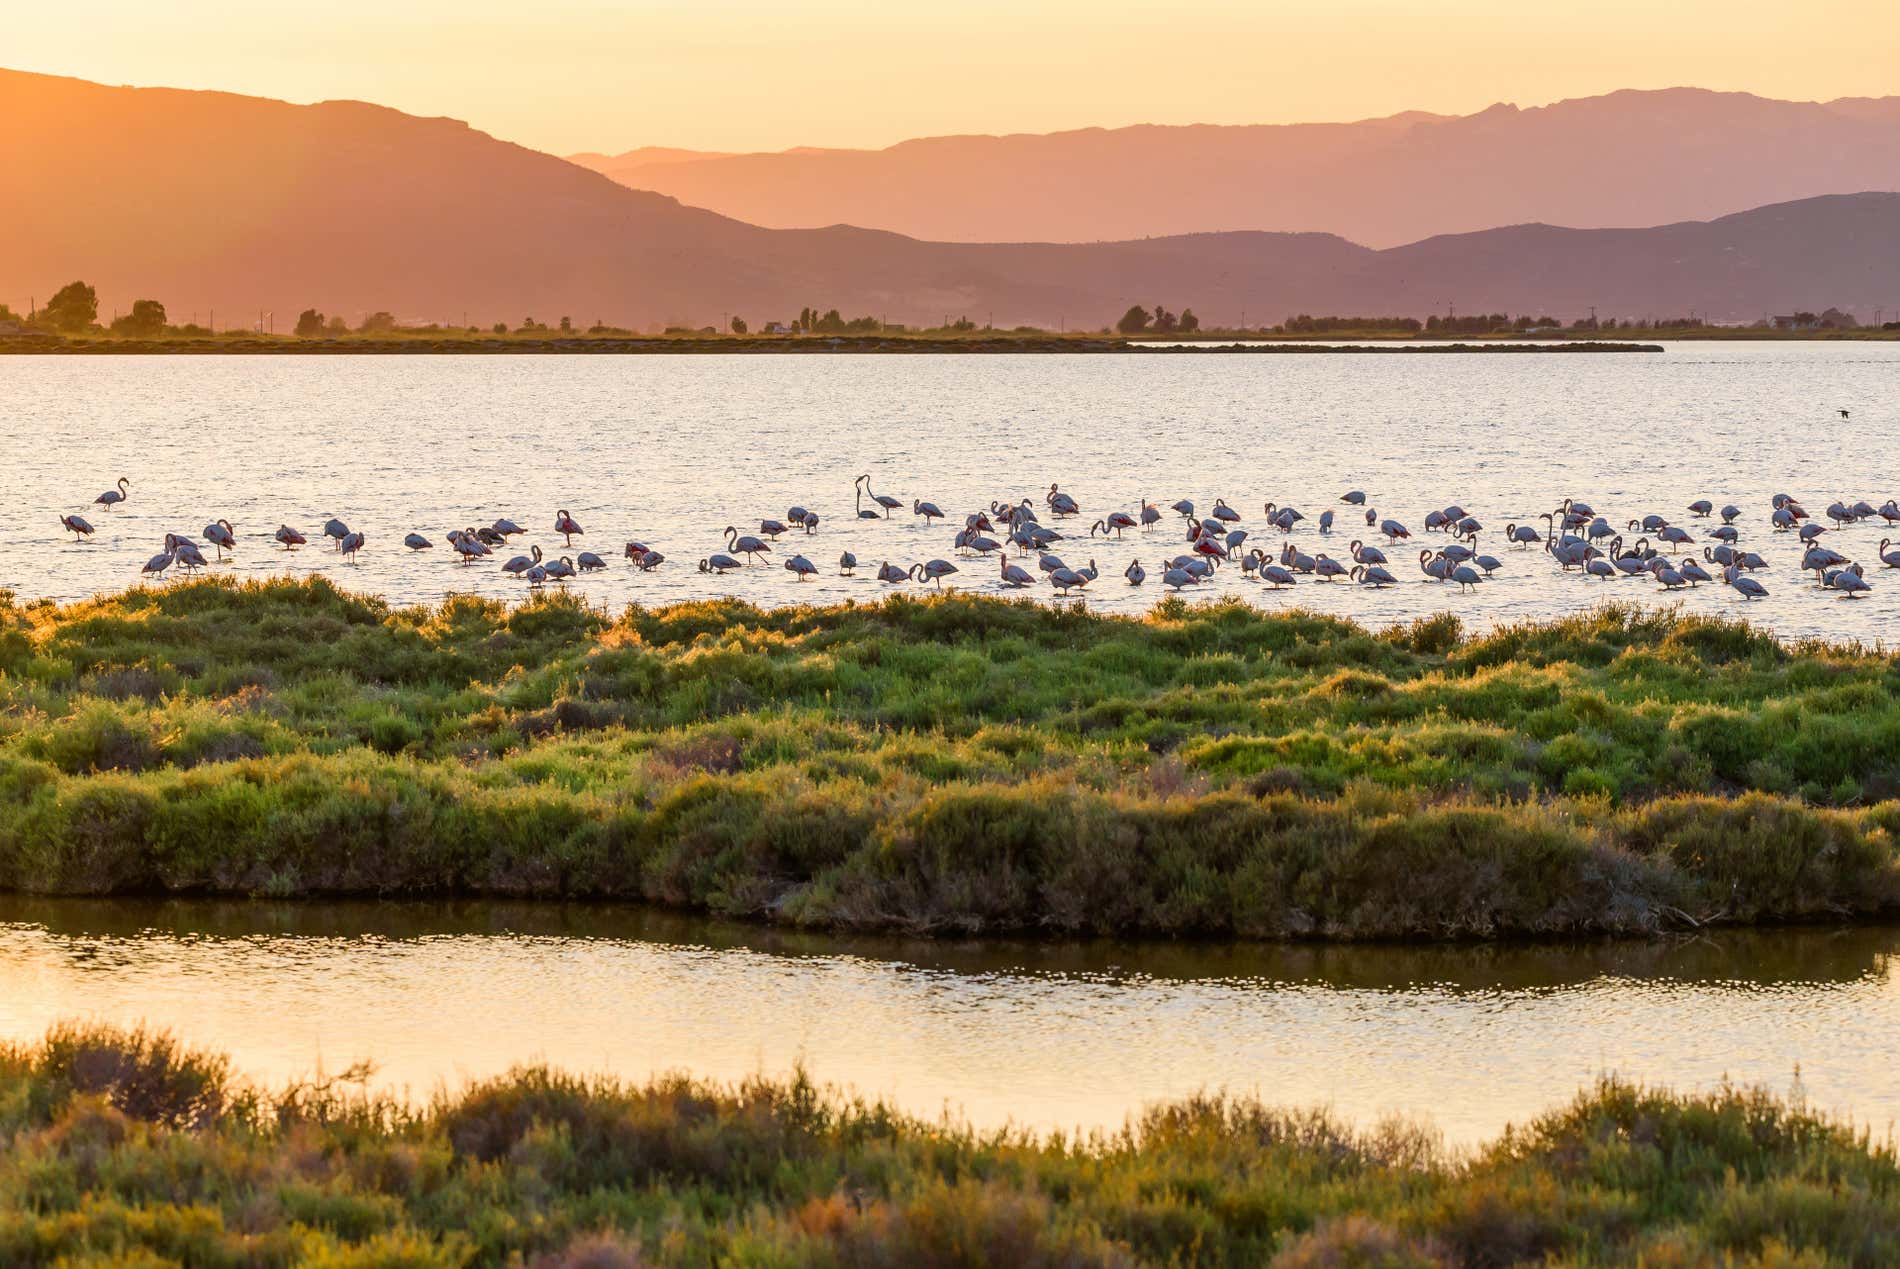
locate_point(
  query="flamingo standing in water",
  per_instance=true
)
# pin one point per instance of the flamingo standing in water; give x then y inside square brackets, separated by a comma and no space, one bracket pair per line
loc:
[289,537]
[114,496]
[885,501]
[221,535]
[77,526]
[567,526]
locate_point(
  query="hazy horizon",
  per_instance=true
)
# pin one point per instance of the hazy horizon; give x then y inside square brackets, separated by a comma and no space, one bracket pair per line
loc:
[586,76]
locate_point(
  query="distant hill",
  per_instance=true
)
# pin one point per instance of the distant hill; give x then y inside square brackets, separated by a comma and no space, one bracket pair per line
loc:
[1626,158]
[209,200]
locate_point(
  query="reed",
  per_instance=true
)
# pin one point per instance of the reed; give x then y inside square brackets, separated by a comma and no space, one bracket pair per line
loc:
[952,763]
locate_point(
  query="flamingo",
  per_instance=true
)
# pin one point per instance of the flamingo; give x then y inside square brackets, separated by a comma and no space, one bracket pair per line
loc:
[719,563]
[928,510]
[560,570]
[1849,582]
[588,562]
[1356,497]
[567,526]
[1890,558]
[745,544]
[335,530]
[772,528]
[801,567]
[1067,579]
[1748,586]
[116,495]
[1177,578]
[77,526]
[889,572]
[1701,507]
[847,564]
[934,571]
[350,545]
[221,535]
[520,564]
[1135,573]
[506,527]
[160,562]
[1151,515]
[289,537]
[649,560]
[1016,576]
[1372,575]
[1225,513]
[416,542]
[885,501]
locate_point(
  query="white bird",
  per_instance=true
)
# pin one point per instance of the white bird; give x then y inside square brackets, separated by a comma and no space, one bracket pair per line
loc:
[112,497]
[1135,573]
[801,567]
[567,526]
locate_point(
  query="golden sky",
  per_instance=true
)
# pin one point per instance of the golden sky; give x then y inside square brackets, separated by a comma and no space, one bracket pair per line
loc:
[567,75]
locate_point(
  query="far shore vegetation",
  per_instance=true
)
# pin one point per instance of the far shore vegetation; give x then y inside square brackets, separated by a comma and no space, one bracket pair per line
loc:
[952,764]
[70,321]
[127,1148]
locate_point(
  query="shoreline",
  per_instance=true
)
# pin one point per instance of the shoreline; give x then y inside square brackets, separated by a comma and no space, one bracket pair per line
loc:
[953,766]
[776,346]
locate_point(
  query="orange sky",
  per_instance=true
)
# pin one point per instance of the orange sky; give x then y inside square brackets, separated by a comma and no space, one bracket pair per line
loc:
[566,75]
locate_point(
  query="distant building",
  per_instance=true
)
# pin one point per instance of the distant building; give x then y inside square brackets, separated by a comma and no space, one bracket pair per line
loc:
[1795,321]
[776,328]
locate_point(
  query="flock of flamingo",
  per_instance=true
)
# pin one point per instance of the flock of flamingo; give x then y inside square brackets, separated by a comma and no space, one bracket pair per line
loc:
[1574,534]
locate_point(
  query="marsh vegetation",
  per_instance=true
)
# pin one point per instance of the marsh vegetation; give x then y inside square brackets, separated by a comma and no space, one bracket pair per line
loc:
[951,763]
[125,1147]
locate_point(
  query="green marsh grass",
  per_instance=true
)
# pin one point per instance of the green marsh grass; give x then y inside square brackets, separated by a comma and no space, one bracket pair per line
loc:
[125,1148]
[951,763]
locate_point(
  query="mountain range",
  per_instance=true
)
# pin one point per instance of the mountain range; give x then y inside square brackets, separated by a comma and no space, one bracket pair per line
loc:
[210,200]
[1625,158]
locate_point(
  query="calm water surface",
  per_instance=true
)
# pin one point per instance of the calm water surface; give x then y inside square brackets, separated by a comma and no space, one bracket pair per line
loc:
[672,449]
[1050,1035]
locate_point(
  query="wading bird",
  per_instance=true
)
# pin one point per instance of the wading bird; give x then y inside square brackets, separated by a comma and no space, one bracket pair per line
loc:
[116,495]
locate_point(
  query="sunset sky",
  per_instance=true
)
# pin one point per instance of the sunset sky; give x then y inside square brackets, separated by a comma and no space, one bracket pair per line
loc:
[566,75]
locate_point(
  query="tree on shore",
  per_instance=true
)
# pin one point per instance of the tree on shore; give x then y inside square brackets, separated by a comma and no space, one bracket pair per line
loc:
[1134,321]
[377,323]
[146,319]
[738,325]
[73,307]
[1189,322]
[309,322]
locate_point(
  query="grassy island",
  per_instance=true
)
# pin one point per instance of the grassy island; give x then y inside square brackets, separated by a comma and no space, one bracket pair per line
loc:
[952,764]
[122,1148]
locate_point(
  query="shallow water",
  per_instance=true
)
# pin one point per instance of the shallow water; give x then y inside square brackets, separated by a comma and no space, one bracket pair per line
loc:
[1045,1034]
[672,449]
